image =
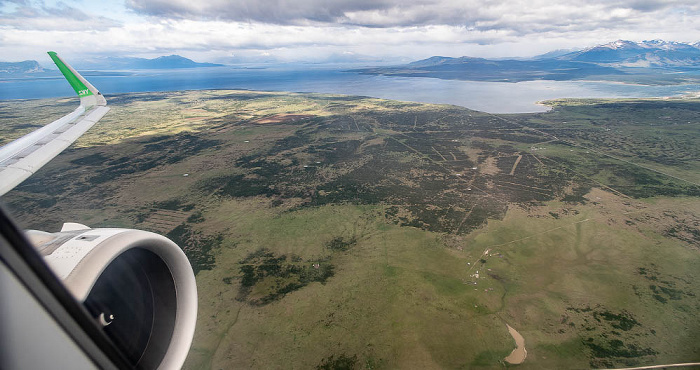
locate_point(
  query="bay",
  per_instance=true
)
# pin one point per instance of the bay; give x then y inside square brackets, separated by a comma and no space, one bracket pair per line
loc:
[492,97]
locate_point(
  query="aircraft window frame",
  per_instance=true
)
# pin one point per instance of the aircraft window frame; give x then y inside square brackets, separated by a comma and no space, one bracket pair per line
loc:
[28,266]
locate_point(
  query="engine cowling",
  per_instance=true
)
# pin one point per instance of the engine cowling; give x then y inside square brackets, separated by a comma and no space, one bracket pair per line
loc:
[138,285]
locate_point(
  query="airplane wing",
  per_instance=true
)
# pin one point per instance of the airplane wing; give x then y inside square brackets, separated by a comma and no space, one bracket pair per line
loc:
[126,298]
[24,156]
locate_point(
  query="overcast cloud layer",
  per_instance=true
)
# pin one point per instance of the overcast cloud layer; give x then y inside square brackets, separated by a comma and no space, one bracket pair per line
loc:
[322,30]
[523,16]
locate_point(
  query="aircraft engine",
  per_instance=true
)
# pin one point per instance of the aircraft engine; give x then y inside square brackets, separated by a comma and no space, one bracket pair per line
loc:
[138,285]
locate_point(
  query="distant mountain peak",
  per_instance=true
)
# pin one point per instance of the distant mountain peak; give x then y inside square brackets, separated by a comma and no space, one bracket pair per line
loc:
[658,42]
[431,61]
[161,62]
[646,44]
[27,66]
[172,61]
[172,57]
[438,60]
[648,53]
[609,60]
[618,53]
[555,53]
[618,44]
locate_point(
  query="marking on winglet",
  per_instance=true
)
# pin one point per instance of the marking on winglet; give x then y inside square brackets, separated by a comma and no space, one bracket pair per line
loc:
[73,80]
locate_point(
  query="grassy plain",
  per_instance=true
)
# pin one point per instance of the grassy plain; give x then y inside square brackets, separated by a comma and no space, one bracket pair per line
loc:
[329,230]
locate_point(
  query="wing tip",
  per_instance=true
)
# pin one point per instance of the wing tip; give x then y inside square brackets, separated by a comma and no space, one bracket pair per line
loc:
[89,95]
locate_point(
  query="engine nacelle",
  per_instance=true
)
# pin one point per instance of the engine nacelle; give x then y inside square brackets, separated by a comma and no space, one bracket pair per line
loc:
[138,285]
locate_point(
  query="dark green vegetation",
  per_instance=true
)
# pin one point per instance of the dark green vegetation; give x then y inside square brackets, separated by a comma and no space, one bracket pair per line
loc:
[611,338]
[628,138]
[198,248]
[344,232]
[665,289]
[157,151]
[266,278]
[343,362]
[341,244]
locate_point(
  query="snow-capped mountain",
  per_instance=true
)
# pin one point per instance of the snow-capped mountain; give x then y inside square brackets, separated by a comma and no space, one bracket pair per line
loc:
[654,53]
[642,62]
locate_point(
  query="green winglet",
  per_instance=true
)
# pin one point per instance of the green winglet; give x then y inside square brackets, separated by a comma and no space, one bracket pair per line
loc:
[74,81]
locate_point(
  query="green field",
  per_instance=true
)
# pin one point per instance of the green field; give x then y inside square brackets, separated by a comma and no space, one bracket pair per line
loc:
[344,232]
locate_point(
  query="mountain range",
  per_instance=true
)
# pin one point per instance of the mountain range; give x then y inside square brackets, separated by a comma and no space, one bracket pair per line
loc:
[29,67]
[648,62]
[653,62]
[646,54]
[163,62]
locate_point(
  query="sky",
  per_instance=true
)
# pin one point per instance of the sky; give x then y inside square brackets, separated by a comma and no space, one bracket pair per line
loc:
[239,31]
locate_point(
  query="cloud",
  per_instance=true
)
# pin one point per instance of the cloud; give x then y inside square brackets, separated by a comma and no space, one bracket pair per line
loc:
[517,15]
[34,15]
[21,2]
[266,11]
[315,29]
